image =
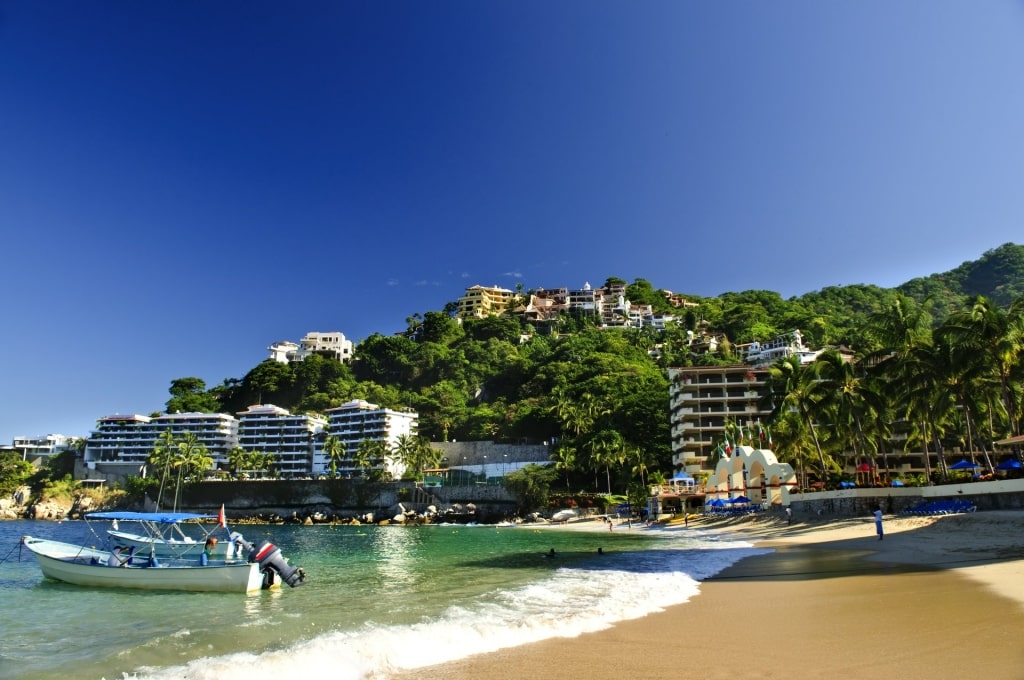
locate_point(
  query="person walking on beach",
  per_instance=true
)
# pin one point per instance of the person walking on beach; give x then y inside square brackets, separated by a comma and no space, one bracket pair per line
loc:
[789,515]
[878,521]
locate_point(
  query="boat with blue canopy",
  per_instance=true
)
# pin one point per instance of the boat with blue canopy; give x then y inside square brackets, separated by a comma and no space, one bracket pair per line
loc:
[254,568]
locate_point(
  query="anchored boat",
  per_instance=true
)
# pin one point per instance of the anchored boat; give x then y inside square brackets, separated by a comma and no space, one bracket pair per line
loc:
[126,566]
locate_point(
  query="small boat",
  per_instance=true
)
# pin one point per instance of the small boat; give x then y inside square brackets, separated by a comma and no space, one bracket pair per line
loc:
[125,567]
[164,534]
[564,515]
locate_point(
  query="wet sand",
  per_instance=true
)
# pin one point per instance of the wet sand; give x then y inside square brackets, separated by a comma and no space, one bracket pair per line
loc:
[938,598]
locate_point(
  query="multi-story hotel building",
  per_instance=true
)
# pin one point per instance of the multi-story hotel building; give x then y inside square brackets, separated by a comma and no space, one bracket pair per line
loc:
[357,421]
[480,302]
[703,399]
[293,439]
[128,440]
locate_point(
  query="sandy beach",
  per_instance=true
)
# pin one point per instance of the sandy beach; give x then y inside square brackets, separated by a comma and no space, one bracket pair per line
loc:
[939,597]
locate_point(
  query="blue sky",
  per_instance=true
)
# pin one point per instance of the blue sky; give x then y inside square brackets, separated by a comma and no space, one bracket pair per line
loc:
[183,183]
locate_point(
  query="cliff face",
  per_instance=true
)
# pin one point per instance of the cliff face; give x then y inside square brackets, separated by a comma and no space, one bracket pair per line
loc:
[21,506]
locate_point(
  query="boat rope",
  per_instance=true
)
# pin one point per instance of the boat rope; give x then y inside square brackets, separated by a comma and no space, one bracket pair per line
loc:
[8,556]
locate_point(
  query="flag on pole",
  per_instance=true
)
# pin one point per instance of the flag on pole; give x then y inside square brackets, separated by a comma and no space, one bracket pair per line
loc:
[222,518]
[769,436]
[728,446]
[760,432]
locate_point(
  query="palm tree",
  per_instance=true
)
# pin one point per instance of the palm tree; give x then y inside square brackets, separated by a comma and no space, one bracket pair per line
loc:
[191,454]
[998,337]
[607,447]
[795,387]
[968,381]
[848,400]
[372,452]
[162,457]
[408,452]
[237,458]
[917,377]
[335,452]
[363,456]
[792,445]
[565,460]
[640,467]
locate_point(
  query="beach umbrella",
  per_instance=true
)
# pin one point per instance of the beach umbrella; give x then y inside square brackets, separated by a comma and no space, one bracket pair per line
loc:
[963,465]
[864,467]
[1009,465]
[740,499]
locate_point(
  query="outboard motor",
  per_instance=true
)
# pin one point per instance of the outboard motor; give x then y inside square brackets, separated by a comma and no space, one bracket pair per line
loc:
[272,563]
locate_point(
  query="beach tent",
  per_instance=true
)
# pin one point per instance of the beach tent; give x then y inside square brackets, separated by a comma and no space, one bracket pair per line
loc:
[740,499]
[964,464]
[1009,465]
[864,467]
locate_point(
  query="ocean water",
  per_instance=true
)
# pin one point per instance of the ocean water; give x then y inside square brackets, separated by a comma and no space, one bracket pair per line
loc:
[378,600]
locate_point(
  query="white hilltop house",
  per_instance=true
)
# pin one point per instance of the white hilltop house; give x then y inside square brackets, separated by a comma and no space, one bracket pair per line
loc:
[760,354]
[332,344]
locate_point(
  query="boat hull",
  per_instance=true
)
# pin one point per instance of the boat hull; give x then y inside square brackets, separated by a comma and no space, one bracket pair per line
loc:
[73,564]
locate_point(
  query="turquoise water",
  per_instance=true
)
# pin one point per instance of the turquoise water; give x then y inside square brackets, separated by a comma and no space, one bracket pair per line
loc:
[377,600]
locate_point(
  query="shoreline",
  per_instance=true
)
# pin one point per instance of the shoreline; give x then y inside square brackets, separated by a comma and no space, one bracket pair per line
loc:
[938,597]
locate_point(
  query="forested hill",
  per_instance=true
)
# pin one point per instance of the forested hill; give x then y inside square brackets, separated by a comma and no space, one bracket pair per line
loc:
[480,380]
[997,275]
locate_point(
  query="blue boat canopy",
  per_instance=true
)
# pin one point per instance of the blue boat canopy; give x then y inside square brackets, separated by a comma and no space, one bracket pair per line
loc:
[161,517]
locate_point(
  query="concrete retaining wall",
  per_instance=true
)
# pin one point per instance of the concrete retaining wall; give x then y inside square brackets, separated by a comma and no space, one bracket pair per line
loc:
[997,495]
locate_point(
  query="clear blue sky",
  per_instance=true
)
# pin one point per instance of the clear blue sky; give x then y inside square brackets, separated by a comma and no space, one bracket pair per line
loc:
[183,183]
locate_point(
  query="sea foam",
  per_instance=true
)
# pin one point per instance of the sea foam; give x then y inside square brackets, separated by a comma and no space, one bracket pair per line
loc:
[567,603]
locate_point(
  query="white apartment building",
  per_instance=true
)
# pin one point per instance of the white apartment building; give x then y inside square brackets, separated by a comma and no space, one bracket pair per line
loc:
[128,440]
[356,421]
[293,439]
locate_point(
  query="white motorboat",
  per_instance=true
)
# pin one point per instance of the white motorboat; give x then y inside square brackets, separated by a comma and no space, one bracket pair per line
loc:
[88,567]
[125,566]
